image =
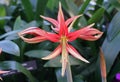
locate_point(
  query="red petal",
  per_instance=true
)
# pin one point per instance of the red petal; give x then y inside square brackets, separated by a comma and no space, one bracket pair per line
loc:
[91,34]
[34,40]
[53,21]
[86,33]
[53,37]
[55,53]
[74,53]
[61,21]
[40,35]
[68,21]
[72,21]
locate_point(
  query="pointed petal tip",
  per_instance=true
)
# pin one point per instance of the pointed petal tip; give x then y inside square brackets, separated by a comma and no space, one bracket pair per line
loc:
[59,4]
[99,35]
[62,74]
[44,58]
[80,15]
[91,25]
[87,61]
[41,16]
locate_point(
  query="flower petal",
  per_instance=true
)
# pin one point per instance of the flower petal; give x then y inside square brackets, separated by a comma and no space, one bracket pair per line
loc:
[51,20]
[91,34]
[71,21]
[53,37]
[61,21]
[39,35]
[56,29]
[74,53]
[1,72]
[86,33]
[55,53]
[68,21]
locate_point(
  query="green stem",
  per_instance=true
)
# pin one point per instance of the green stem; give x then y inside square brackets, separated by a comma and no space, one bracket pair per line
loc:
[69,73]
[104,80]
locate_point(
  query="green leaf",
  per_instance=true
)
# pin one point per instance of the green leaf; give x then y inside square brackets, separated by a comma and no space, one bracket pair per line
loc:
[114,71]
[78,79]
[10,47]
[84,6]
[37,53]
[100,2]
[51,4]
[56,62]
[31,24]
[115,3]
[96,16]
[17,24]
[114,27]
[11,33]
[59,77]
[41,5]
[17,66]
[2,14]
[72,7]
[28,9]
[111,50]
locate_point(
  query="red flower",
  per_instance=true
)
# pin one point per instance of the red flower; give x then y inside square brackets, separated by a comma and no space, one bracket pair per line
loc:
[63,36]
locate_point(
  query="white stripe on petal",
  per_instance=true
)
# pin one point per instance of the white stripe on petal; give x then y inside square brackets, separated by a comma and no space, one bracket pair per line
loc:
[74,53]
[55,53]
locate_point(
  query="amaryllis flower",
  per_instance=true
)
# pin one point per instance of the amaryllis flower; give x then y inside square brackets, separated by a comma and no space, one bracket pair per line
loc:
[62,35]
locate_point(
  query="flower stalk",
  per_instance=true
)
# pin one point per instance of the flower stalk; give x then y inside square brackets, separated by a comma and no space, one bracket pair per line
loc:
[69,73]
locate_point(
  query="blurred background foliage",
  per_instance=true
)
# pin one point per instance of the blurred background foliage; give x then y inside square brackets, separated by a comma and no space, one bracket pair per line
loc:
[16,15]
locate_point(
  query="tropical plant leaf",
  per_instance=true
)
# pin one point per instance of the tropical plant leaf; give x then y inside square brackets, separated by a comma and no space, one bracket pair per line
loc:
[11,33]
[114,27]
[96,16]
[111,50]
[59,77]
[40,7]
[13,65]
[78,79]
[114,71]
[28,9]
[84,6]
[37,53]
[17,24]
[72,7]
[56,62]
[10,47]
[111,46]
[2,14]
[115,3]
[51,4]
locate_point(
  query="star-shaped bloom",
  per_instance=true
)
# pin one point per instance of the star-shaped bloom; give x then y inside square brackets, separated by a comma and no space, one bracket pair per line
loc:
[63,36]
